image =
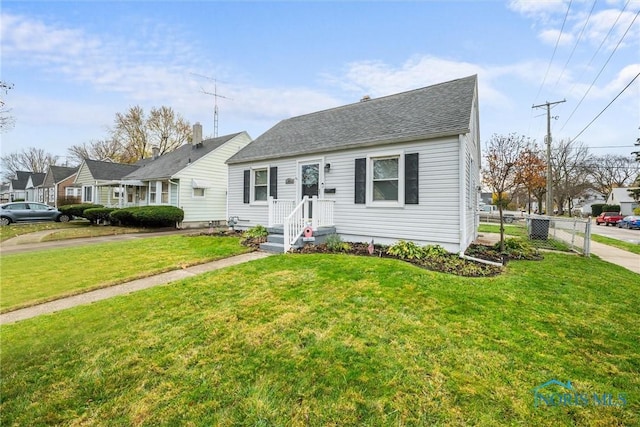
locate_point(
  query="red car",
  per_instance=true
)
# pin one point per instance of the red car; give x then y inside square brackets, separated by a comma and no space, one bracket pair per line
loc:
[609,218]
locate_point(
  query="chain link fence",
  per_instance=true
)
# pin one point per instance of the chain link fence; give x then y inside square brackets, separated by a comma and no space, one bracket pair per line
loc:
[551,232]
[573,232]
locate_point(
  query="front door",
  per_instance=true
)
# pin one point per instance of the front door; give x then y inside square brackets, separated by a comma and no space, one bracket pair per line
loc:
[310,182]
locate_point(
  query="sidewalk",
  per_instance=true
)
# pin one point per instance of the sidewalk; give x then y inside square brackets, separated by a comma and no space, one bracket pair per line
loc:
[125,288]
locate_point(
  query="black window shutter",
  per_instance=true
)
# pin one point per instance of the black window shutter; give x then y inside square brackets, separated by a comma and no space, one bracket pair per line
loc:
[247,186]
[411,179]
[361,181]
[273,182]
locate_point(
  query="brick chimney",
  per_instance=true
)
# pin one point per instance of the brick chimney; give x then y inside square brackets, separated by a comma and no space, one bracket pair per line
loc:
[197,134]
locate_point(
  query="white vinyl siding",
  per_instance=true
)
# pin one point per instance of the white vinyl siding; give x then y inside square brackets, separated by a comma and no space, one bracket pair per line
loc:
[212,169]
[435,220]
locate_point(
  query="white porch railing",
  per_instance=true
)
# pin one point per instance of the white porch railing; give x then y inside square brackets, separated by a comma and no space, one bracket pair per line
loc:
[296,221]
[279,209]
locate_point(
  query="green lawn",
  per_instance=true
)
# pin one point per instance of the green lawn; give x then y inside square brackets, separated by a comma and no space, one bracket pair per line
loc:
[35,277]
[335,340]
[627,246]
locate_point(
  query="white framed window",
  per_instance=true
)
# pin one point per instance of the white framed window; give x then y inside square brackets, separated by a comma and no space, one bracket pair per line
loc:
[153,191]
[385,180]
[259,184]
[164,195]
[198,193]
[87,193]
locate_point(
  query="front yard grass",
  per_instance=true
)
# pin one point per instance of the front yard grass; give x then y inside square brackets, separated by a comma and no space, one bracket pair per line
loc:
[36,277]
[66,230]
[336,340]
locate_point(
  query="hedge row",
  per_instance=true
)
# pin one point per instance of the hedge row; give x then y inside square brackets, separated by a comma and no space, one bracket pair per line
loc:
[140,216]
[598,208]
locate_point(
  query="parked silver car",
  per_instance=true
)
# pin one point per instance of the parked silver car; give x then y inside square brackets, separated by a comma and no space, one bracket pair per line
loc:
[30,211]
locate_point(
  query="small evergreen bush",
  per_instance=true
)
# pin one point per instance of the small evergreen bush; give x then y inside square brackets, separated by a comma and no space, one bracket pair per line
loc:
[77,210]
[96,215]
[148,216]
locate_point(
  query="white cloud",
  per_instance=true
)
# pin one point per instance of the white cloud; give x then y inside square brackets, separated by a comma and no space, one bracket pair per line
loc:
[539,9]
[550,37]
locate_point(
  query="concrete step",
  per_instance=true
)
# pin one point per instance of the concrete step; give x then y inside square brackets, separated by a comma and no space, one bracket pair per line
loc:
[276,248]
[275,238]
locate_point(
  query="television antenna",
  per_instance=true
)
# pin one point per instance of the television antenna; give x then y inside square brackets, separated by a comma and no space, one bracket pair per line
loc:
[215,100]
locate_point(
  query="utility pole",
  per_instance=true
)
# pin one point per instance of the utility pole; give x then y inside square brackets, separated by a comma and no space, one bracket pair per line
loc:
[549,202]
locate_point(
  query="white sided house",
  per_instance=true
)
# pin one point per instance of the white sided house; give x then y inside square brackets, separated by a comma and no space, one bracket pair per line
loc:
[621,196]
[400,167]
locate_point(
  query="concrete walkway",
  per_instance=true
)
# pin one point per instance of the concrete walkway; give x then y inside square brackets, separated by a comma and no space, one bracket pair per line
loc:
[126,288]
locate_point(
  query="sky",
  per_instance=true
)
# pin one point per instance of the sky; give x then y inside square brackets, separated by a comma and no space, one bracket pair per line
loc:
[74,64]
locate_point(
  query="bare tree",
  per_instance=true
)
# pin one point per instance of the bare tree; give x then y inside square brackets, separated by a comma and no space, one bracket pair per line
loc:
[30,159]
[104,149]
[611,171]
[532,174]
[167,130]
[503,155]
[136,134]
[130,131]
[570,162]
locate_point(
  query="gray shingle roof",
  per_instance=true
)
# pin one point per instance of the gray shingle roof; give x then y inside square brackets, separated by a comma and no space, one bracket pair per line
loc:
[108,170]
[21,180]
[37,178]
[170,163]
[439,110]
[59,173]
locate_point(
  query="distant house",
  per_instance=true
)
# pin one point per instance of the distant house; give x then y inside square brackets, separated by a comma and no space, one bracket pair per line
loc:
[58,186]
[4,192]
[404,166]
[621,196]
[193,177]
[94,175]
[33,188]
[17,186]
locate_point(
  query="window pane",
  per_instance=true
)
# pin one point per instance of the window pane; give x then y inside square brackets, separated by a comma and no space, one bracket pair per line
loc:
[261,193]
[385,168]
[260,177]
[385,190]
[198,192]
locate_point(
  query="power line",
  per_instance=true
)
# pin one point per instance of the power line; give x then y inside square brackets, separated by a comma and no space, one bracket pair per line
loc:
[601,70]
[555,48]
[605,108]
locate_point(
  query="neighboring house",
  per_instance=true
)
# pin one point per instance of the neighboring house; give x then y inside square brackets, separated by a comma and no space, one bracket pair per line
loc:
[405,166]
[192,177]
[621,196]
[33,188]
[17,186]
[93,175]
[58,186]
[4,192]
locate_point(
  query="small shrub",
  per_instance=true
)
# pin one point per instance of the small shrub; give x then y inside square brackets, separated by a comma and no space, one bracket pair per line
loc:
[256,232]
[78,209]
[636,211]
[517,249]
[405,250]
[96,215]
[335,244]
[433,251]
